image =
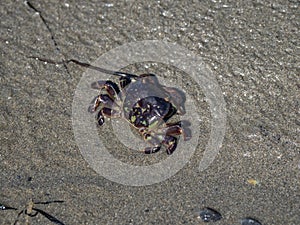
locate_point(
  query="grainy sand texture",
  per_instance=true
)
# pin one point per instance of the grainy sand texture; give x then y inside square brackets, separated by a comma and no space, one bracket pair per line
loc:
[252,50]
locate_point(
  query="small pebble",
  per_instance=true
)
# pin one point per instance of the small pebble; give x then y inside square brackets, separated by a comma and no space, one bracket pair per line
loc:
[209,215]
[250,221]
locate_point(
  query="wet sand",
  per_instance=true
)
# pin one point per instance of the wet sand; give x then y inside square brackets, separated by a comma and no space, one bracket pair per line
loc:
[250,47]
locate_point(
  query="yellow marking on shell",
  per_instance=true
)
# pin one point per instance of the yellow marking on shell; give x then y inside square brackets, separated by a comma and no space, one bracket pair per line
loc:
[152,125]
[133,118]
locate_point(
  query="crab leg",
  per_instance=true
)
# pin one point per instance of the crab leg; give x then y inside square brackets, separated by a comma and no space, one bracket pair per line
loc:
[106,112]
[124,81]
[107,104]
[100,99]
[150,150]
[178,128]
[165,135]
[152,139]
[111,88]
[171,143]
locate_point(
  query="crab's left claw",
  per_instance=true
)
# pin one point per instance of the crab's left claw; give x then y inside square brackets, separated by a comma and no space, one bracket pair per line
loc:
[171,144]
[150,150]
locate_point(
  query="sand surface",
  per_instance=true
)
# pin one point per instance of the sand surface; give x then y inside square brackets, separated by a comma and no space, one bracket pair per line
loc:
[252,48]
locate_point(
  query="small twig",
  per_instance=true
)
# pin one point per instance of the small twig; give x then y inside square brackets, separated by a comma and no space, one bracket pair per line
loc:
[4,207]
[31,211]
[87,65]
[49,29]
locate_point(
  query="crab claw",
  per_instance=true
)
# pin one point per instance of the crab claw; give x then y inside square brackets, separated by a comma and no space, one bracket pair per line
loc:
[171,143]
[150,150]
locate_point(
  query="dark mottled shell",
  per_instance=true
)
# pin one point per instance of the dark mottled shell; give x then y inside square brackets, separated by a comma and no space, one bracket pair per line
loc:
[250,221]
[142,88]
[209,215]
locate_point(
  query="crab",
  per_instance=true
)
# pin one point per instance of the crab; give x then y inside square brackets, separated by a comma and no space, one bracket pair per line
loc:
[143,102]
[146,105]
